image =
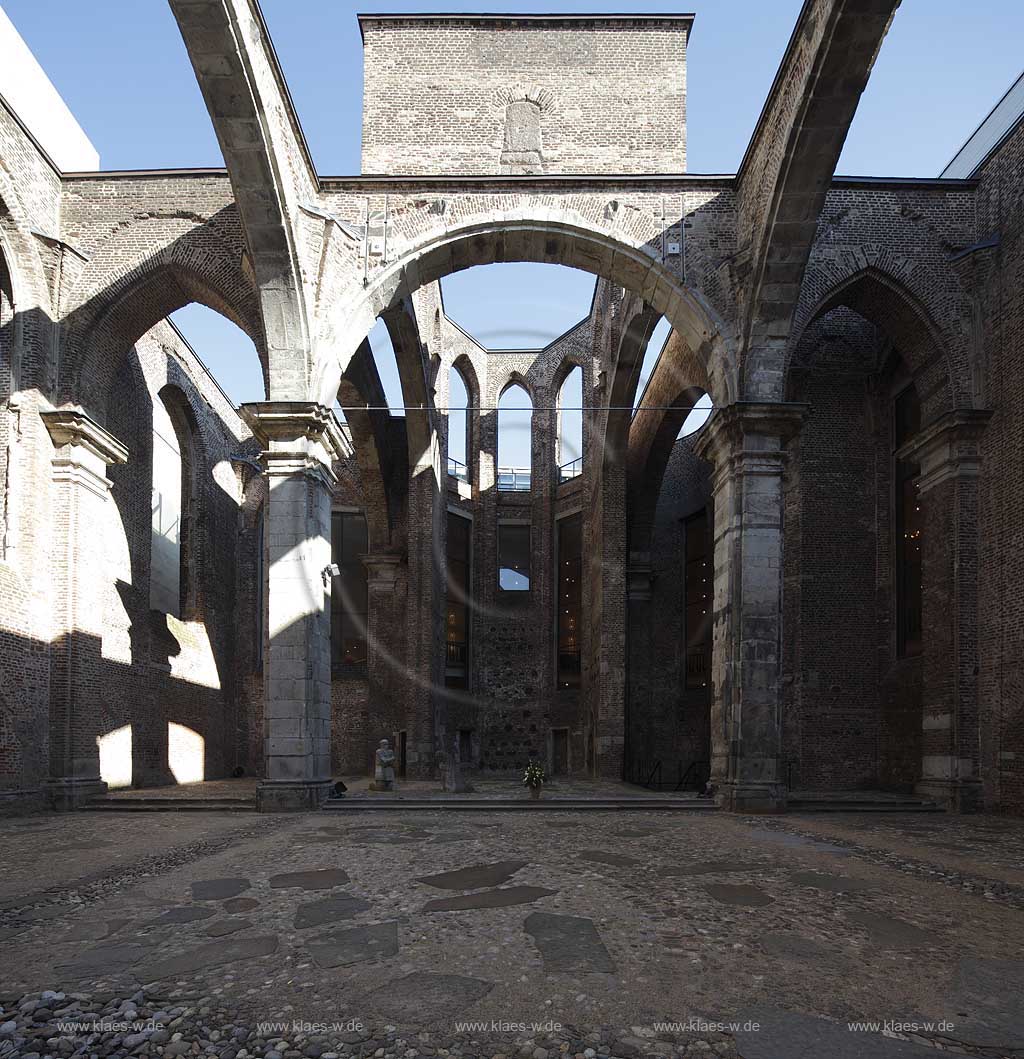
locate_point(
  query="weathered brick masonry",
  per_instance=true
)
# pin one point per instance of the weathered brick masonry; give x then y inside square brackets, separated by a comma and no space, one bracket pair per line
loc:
[864,563]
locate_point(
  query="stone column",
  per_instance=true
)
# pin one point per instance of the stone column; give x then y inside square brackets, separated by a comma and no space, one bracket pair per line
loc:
[84,450]
[745,442]
[949,455]
[384,656]
[639,662]
[300,442]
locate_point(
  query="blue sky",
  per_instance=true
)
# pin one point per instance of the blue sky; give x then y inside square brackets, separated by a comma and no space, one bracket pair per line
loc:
[122,68]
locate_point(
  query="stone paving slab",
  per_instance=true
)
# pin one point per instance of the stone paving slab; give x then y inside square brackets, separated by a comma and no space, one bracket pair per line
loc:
[218,889]
[215,954]
[220,928]
[836,884]
[345,947]
[789,1035]
[989,998]
[500,898]
[617,860]
[888,932]
[568,943]
[474,876]
[422,997]
[315,879]
[741,894]
[329,910]
[182,914]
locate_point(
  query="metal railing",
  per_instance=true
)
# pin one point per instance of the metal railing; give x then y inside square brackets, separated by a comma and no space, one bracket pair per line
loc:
[457,469]
[570,470]
[455,653]
[514,479]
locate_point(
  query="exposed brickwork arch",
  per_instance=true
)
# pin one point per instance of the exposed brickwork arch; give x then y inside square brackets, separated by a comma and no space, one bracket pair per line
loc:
[113,309]
[887,303]
[525,235]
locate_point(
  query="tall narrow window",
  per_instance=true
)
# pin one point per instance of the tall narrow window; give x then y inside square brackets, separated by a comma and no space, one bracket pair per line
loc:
[513,557]
[456,670]
[570,426]
[908,526]
[515,452]
[697,603]
[165,581]
[570,574]
[458,426]
[348,592]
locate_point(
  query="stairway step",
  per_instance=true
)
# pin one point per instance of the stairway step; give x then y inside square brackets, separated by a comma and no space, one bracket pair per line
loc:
[169,805]
[359,805]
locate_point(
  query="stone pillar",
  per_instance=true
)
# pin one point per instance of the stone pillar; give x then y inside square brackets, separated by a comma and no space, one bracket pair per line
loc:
[300,442]
[639,582]
[745,442]
[384,663]
[948,453]
[84,450]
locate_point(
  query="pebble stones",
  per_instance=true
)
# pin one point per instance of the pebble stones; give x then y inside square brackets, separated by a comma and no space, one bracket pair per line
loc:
[836,884]
[345,947]
[617,860]
[315,879]
[568,944]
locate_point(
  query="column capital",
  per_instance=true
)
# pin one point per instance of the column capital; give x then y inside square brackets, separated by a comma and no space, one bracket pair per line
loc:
[639,578]
[382,570]
[297,436]
[948,448]
[84,449]
[758,428]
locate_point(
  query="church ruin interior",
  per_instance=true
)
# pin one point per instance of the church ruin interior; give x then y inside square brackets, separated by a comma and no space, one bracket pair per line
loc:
[746,535]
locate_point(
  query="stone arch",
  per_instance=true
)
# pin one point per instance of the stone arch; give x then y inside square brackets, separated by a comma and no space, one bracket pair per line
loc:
[114,310]
[567,241]
[890,305]
[362,396]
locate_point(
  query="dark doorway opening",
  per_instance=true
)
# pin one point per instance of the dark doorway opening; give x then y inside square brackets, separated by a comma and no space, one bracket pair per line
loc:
[560,752]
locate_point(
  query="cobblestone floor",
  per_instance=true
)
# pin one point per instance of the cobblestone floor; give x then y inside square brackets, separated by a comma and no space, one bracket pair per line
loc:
[528,936]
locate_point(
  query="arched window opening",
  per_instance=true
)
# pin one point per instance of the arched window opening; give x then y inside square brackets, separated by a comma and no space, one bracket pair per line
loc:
[170,496]
[699,414]
[570,426]
[570,599]
[908,525]
[224,349]
[514,556]
[515,440]
[457,617]
[458,426]
[348,592]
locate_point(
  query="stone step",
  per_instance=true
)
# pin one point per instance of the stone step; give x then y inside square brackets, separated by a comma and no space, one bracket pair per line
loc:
[855,805]
[169,805]
[359,805]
